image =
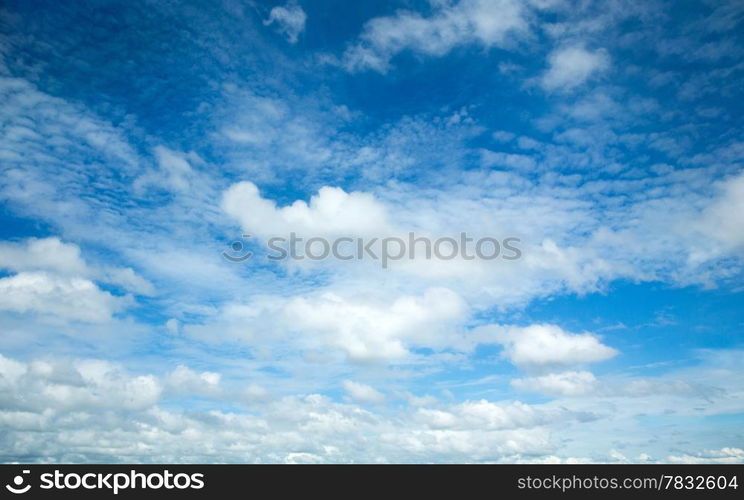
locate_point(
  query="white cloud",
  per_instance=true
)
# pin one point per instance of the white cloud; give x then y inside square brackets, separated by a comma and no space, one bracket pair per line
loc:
[486,22]
[513,161]
[573,65]
[331,211]
[369,330]
[126,278]
[71,386]
[289,19]
[568,242]
[79,404]
[71,298]
[48,254]
[503,135]
[362,393]
[723,219]
[254,393]
[172,325]
[726,455]
[11,370]
[485,415]
[53,279]
[65,260]
[545,346]
[387,327]
[184,380]
[174,172]
[558,384]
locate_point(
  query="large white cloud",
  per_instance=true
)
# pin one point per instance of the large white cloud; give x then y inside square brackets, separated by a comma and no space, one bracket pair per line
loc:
[58,258]
[49,254]
[378,330]
[54,280]
[47,294]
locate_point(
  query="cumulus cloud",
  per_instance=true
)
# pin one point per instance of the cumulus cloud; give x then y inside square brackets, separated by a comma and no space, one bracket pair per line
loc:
[48,254]
[485,22]
[380,328]
[46,385]
[331,211]
[544,346]
[78,403]
[53,279]
[62,259]
[47,294]
[369,330]
[288,19]
[571,66]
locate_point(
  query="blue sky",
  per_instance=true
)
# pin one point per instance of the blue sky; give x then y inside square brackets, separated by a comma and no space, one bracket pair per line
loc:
[140,139]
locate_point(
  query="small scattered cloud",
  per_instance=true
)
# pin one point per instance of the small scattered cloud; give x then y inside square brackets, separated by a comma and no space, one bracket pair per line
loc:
[571,66]
[183,380]
[174,172]
[726,455]
[362,393]
[289,20]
